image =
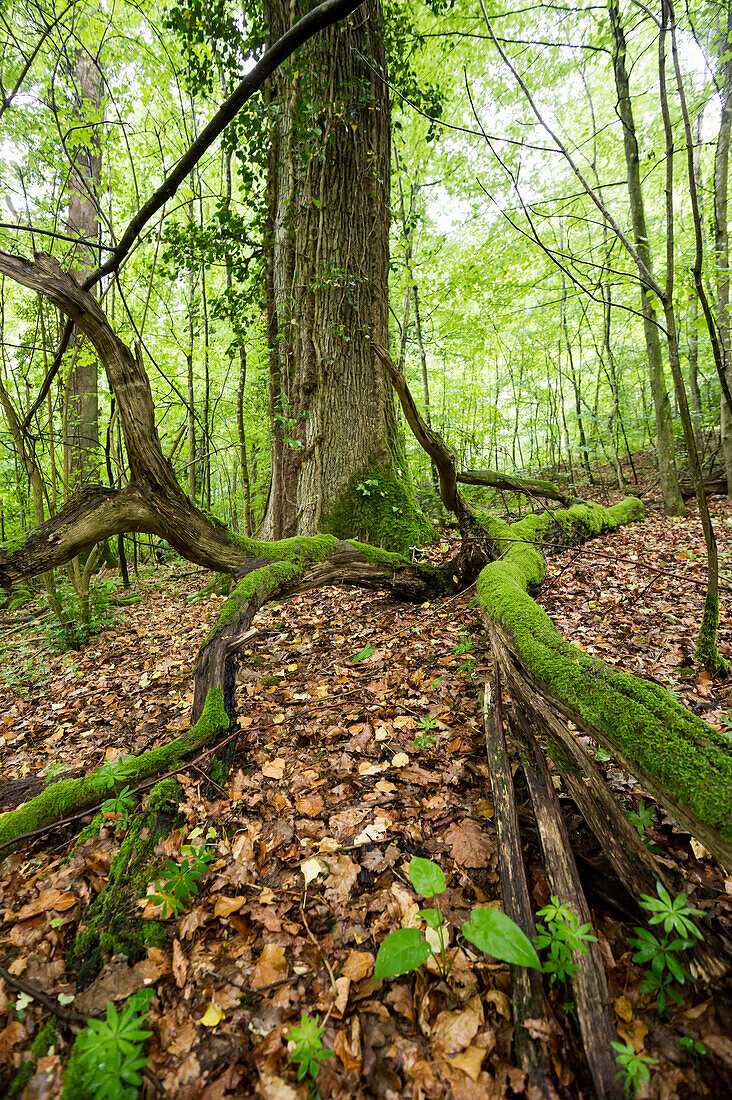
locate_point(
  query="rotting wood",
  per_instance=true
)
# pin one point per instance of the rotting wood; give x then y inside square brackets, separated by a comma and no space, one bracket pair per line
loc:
[527,985]
[590,983]
[633,863]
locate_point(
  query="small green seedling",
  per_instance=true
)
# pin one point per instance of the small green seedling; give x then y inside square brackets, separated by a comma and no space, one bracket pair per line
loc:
[123,804]
[662,952]
[488,929]
[308,1051]
[365,653]
[562,933]
[425,739]
[115,771]
[634,1068]
[691,1046]
[179,882]
[642,818]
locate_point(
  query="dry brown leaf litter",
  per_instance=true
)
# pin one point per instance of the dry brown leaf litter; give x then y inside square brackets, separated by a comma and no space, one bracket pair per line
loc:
[329,787]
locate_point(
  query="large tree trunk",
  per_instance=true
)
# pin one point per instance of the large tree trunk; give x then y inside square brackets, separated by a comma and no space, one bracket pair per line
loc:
[337,461]
[82,416]
[673,503]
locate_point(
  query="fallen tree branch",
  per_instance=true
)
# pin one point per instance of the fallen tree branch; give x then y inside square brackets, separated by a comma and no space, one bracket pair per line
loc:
[531,487]
[526,984]
[589,983]
[683,762]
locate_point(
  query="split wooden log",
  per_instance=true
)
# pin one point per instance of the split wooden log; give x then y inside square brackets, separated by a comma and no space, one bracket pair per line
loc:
[527,985]
[591,995]
[634,864]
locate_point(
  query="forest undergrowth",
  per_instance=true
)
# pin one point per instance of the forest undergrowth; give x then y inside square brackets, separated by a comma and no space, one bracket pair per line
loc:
[362,746]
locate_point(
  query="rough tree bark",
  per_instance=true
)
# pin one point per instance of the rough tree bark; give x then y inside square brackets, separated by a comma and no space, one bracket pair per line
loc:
[337,458]
[82,400]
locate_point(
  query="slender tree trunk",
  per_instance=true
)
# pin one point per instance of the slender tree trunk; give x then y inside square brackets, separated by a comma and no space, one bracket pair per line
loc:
[694,393]
[673,503]
[721,231]
[706,649]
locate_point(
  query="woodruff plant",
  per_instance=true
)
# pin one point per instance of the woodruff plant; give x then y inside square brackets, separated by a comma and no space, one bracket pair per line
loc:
[107,1054]
[308,1051]
[562,933]
[179,882]
[662,952]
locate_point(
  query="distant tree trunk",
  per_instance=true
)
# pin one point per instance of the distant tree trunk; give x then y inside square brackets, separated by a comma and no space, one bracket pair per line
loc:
[721,232]
[82,415]
[673,503]
[694,311]
[337,462]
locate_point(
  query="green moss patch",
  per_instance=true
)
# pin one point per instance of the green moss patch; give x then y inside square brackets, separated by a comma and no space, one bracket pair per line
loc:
[110,925]
[69,796]
[379,508]
[689,759]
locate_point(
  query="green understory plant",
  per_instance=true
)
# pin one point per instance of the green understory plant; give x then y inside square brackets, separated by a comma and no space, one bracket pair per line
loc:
[642,820]
[559,930]
[634,1068]
[107,1055]
[308,1051]
[488,929]
[122,804]
[425,739]
[691,1046]
[179,881]
[81,618]
[662,953]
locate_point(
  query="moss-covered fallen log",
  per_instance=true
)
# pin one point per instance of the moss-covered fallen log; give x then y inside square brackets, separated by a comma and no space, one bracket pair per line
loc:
[681,760]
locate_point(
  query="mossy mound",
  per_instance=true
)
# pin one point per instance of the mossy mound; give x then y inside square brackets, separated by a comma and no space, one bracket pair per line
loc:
[379,508]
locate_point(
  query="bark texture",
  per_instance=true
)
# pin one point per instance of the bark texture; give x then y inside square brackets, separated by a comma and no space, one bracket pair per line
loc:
[327,292]
[82,398]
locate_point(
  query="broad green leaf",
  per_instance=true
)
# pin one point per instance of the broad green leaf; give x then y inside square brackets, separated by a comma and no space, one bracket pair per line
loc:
[401,951]
[496,934]
[427,878]
[365,653]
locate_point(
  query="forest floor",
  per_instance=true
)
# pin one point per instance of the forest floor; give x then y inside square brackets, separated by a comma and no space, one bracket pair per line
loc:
[334,695]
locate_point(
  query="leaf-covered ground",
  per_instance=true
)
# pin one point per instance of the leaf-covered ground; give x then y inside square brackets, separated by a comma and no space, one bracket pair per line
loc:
[331,785]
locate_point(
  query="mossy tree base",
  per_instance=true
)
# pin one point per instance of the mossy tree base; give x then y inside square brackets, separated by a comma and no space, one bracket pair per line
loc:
[379,508]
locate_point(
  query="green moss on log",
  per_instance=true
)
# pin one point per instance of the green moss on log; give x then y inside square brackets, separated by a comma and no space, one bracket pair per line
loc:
[706,644]
[39,1048]
[691,761]
[110,925]
[379,508]
[70,796]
